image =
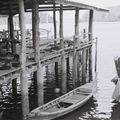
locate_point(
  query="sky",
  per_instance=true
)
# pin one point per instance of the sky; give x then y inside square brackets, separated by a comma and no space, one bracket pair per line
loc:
[102,3]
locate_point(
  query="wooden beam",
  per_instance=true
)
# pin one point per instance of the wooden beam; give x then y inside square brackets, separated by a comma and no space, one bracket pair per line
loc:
[90,37]
[24,84]
[37,52]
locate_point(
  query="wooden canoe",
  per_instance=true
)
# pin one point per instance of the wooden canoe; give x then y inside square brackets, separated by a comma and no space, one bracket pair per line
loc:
[64,104]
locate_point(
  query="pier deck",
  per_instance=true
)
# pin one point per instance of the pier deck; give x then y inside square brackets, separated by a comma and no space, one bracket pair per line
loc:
[46,59]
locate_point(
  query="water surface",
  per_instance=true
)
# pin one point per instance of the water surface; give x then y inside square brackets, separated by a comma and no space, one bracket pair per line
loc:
[101,106]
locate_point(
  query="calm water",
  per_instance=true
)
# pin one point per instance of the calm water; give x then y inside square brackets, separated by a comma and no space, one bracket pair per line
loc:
[101,106]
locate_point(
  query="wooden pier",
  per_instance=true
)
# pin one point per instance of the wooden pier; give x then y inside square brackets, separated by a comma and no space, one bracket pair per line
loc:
[31,60]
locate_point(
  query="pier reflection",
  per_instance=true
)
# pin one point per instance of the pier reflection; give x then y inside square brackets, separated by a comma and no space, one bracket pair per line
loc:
[90,111]
[115,114]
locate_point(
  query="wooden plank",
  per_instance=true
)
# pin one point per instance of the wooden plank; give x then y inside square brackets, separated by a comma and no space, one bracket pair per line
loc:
[74,99]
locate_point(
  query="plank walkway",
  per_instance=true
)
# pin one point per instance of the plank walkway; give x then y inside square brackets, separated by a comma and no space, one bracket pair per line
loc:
[46,59]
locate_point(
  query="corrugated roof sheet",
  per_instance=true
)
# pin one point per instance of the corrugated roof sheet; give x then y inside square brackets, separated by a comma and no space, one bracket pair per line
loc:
[85,4]
[5,5]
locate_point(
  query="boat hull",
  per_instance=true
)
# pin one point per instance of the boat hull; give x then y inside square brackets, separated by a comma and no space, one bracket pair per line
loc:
[62,113]
[76,99]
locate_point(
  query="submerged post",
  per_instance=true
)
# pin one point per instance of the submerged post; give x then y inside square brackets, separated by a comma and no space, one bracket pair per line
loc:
[14,91]
[90,37]
[84,60]
[37,51]
[75,44]
[55,36]
[24,85]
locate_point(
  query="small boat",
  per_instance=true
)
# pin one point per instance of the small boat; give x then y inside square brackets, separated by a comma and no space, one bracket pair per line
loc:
[64,104]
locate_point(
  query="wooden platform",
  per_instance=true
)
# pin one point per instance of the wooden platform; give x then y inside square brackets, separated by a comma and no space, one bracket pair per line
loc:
[46,59]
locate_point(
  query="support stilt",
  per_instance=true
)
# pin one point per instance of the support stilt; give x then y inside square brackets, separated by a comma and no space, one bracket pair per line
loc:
[54,22]
[90,39]
[84,61]
[14,90]
[37,52]
[24,84]
[64,82]
[11,29]
[75,43]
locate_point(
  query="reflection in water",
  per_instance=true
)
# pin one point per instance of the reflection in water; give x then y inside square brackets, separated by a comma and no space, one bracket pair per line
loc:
[115,115]
[100,107]
[85,112]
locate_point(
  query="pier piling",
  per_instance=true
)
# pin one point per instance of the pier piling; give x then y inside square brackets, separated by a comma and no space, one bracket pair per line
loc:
[84,60]
[63,62]
[37,52]
[75,38]
[14,91]
[23,78]
[11,29]
[90,37]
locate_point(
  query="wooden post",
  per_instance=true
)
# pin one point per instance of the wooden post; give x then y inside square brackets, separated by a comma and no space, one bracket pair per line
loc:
[33,28]
[11,29]
[24,85]
[64,77]
[90,39]
[84,60]
[37,52]
[67,67]
[79,67]
[96,44]
[77,21]
[64,82]
[74,47]
[74,63]
[35,82]
[56,73]
[54,22]
[87,65]
[61,27]
[55,36]
[14,91]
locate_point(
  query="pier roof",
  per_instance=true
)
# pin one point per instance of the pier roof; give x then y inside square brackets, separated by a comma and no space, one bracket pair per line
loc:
[82,4]
[6,5]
